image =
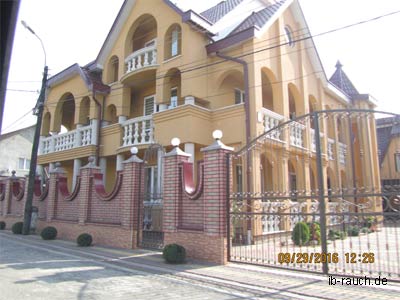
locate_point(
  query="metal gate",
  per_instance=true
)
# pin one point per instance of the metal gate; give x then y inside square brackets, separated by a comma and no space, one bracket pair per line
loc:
[307,195]
[151,232]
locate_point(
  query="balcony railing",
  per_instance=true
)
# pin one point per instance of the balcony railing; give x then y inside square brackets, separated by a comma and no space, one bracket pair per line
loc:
[331,144]
[296,134]
[313,141]
[138,131]
[141,58]
[270,120]
[342,153]
[79,137]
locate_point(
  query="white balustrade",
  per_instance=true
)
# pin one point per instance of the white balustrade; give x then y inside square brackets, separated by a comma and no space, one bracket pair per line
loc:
[331,143]
[296,134]
[141,58]
[138,131]
[79,137]
[342,153]
[271,120]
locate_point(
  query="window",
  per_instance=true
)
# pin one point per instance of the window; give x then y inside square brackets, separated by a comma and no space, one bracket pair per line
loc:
[239,96]
[174,42]
[239,179]
[289,36]
[397,161]
[23,163]
[174,97]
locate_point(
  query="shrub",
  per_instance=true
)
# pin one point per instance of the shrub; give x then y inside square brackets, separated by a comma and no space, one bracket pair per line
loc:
[17,228]
[84,240]
[49,233]
[336,234]
[2,225]
[365,230]
[301,234]
[315,232]
[353,231]
[369,221]
[174,253]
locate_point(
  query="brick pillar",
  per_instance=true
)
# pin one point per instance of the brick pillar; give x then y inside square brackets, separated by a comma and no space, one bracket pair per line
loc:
[56,173]
[172,189]
[7,194]
[132,190]
[86,189]
[215,199]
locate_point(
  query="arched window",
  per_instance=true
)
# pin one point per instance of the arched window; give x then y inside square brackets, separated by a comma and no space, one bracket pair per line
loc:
[173,41]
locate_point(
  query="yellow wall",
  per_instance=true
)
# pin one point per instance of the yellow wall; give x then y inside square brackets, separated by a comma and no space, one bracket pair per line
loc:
[388,167]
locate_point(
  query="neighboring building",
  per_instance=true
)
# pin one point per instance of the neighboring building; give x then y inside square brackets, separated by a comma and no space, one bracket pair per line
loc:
[15,151]
[388,134]
[164,73]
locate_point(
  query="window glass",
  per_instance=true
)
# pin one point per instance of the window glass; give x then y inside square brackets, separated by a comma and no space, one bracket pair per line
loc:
[239,96]
[397,161]
[174,42]
[174,97]
[289,36]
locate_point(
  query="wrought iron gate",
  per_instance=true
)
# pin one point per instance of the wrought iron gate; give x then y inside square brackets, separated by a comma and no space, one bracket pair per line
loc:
[307,195]
[151,232]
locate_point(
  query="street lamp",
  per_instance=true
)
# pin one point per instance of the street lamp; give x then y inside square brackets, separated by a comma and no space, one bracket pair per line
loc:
[38,111]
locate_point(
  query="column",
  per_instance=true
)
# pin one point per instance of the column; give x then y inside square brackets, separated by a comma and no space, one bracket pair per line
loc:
[119,165]
[77,167]
[103,167]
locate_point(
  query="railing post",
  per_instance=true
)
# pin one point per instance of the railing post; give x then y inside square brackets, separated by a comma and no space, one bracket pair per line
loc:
[324,247]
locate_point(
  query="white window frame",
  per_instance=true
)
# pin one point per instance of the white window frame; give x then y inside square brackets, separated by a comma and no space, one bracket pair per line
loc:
[173,104]
[174,42]
[26,164]
[241,93]
[154,104]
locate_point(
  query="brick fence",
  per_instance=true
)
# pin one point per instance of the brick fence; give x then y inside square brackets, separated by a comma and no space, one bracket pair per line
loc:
[194,217]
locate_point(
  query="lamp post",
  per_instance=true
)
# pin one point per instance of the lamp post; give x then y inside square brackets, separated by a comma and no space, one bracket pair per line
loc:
[38,111]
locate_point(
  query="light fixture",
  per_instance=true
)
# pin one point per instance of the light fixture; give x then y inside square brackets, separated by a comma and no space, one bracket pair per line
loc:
[217,134]
[175,142]
[134,150]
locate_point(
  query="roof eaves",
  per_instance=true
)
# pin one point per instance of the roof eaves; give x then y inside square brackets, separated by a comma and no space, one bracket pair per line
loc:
[232,40]
[67,73]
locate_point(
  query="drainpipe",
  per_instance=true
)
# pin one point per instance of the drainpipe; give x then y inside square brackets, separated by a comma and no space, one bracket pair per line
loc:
[246,106]
[100,117]
[248,138]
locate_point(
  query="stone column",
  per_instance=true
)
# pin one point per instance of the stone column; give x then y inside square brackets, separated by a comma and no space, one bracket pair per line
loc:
[77,166]
[119,165]
[103,168]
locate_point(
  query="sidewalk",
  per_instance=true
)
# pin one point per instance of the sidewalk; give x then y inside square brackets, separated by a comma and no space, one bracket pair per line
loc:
[245,281]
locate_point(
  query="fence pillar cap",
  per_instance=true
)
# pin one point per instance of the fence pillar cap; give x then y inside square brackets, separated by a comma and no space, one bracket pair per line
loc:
[176,150]
[91,164]
[134,157]
[58,169]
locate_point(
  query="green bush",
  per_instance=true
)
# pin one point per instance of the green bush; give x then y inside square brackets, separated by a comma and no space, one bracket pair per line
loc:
[17,228]
[315,232]
[301,234]
[2,225]
[365,230]
[353,231]
[334,234]
[49,233]
[369,221]
[174,253]
[84,240]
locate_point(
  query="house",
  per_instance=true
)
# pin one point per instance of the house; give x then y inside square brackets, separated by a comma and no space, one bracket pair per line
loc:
[15,151]
[241,66]
[388,135]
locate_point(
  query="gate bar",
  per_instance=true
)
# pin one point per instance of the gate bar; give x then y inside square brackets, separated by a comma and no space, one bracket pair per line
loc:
[322,212]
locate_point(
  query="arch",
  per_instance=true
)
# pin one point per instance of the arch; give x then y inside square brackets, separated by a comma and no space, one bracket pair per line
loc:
[113,69]
[142,31]
[172,87]
[111,114]
[45,131]
[294,101]
[267,83]
[65,113]
[173,41]
[231,88]
[84,111]
[266,172]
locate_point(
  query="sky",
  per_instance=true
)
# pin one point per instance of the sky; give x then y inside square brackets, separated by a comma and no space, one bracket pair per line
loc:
[73,31]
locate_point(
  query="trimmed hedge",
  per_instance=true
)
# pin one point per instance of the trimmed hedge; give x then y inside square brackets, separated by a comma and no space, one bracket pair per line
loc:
[301,234]
[2,225]
[49,233]
[174,254]
[17,228]
[84,240]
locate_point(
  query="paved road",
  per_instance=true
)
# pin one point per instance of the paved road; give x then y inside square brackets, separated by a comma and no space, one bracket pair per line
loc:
[34,269]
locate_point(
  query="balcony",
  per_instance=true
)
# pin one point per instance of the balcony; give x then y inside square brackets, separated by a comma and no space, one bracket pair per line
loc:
[138,131]
[296,134]
[271,120]
[342,153]
[83,136]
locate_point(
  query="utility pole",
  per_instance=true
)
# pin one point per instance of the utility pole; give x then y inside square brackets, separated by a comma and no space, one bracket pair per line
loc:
[38,111]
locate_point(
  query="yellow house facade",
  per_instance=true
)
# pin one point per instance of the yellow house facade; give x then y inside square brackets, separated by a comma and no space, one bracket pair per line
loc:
[241,66]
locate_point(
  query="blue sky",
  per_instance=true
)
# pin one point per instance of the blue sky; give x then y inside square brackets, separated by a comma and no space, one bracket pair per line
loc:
[74,30]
